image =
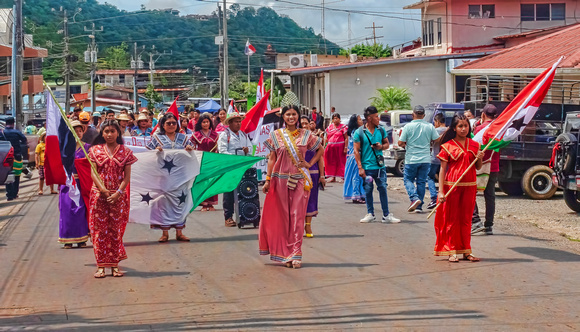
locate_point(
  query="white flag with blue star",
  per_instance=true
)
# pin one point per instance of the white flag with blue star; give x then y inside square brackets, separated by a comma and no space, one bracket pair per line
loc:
[161,185]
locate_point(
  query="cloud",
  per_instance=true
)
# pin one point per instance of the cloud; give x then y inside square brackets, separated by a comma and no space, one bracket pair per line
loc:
[399,25]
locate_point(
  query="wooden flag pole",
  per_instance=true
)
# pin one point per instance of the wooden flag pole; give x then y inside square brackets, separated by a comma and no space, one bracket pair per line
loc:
[77,139]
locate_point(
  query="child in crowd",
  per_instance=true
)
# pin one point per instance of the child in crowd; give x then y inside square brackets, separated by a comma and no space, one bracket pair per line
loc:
[39,159]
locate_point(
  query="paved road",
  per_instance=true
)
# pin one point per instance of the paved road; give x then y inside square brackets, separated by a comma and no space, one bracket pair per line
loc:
[355,277]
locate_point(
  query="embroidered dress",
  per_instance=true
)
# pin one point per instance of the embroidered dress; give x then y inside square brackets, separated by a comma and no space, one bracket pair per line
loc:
[353,183]
[208,143]
[334,156]
[220,127]
[312,207]
[73,225]
[181,142]
[453,217]
[282,224]
[107,222]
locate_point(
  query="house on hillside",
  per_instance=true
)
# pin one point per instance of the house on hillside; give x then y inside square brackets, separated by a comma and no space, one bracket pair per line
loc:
[32,63]
[454,33]
[167,82]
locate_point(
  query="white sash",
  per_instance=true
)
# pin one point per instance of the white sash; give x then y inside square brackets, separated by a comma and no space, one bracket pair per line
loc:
[291,147]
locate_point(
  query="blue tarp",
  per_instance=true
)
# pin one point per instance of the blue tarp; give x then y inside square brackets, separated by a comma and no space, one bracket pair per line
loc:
[210,106]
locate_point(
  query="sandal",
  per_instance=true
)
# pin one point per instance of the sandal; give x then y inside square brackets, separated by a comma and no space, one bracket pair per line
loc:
[181,237]
[68,245]
[470,258]
[53,192]
[100,273]
[163,238]
[82,245]
[40,193]
[309,235]
[453,259]
[210,208]
[116,273]
[288,264]
[230,223]
[358,201]
[296,264]
[203,209]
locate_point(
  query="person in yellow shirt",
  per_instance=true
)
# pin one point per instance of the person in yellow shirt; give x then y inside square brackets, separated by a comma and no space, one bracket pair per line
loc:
[39,156]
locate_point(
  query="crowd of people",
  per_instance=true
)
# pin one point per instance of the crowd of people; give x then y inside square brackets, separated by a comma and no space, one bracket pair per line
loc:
[304,156]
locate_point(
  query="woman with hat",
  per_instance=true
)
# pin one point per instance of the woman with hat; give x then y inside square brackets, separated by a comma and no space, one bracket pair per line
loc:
[124,119]
[165,138]
[205,139]
[143,128]
[73,224]
[287,189]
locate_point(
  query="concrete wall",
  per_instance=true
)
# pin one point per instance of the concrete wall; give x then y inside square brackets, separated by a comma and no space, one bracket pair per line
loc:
[349,98]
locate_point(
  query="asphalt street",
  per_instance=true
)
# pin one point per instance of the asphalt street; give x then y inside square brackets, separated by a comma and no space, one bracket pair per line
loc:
[354,277]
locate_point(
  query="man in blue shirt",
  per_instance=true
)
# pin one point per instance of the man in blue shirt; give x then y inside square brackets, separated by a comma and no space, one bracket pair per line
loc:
[20,145]
[369,143]
[416,138]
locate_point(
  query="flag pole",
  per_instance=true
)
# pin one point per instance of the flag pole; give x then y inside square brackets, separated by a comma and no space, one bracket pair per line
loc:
[248,69]
[77,139]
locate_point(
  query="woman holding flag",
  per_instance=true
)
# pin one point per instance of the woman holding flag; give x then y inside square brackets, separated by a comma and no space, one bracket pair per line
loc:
[287,189]
[109,202]
[336,149]
[205,138]
[73,224]
[168,137]
[453,218]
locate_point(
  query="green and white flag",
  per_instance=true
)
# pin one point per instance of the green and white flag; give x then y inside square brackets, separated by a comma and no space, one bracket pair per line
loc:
[170,184]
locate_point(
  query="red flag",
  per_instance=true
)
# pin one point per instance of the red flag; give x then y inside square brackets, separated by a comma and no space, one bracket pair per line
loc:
[522,109]
[172,109]
[252,119]
[260,89]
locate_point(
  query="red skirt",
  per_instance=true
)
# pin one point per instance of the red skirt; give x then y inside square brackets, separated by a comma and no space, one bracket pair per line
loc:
[453,222]
[334,160]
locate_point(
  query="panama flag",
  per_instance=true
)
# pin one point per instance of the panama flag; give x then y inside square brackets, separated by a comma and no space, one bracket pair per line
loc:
[170,184]
[172,109]
[232,108]
[260,88]
[254,117]
[59,157]
[509,125]
[249,49]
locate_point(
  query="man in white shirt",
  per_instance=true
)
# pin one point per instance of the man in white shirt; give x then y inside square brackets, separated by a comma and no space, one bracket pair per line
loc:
[233,141]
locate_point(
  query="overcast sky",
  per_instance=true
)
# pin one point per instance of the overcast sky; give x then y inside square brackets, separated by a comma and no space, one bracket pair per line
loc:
[399,26]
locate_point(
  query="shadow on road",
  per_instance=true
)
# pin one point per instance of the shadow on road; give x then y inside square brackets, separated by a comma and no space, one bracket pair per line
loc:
[10,216]
[548,254]
[338,236]
[532,238]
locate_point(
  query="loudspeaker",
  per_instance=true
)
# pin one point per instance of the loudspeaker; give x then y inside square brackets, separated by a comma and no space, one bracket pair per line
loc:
[249,199]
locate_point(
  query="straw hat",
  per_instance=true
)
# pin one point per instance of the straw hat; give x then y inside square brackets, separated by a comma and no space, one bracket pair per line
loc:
[142,117]
[123,117]
[234,115]
[75,123]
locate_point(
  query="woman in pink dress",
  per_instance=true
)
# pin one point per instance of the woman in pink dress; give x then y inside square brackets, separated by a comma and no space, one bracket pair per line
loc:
[205,139]
[220,121]
[287,190]
[336,149]
[109,202]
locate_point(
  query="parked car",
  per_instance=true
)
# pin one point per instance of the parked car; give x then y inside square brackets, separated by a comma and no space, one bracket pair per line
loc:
[7,158]
[565,162]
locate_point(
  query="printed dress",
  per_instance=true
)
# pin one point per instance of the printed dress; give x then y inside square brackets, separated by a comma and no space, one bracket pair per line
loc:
[282,223]
[73,225]
[312,207]
[208,143]
[453,217]
[107,222]
[334,156]
[353,183]
[220,127]
[181,142]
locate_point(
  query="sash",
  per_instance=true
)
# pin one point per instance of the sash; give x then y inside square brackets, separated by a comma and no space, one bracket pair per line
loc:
[293,151]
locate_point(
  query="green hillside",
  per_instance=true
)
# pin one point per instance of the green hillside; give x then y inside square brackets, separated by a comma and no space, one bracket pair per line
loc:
[191,40]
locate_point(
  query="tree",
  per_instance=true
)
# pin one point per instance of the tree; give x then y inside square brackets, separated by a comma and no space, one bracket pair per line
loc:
[375,50]
[116,57]
[392,98]
[152,97]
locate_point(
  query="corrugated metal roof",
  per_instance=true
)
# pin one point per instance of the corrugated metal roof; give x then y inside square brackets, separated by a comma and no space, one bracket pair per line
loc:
[131,71]
[539,53]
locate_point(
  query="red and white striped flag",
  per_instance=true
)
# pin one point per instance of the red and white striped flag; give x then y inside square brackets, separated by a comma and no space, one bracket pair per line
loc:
[250,50]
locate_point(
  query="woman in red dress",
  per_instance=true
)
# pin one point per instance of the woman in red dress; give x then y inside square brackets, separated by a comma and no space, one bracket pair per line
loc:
[453,218]
[336,149]
[205,139]
[109,202]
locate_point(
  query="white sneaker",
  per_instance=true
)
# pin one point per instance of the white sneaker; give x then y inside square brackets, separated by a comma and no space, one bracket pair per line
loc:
[391,218]
[368,218]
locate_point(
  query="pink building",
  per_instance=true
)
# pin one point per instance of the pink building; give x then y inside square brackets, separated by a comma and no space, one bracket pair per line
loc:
[462,26]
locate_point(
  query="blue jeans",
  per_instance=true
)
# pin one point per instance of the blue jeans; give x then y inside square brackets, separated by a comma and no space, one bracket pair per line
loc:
[416,173]
[431,181]
[380,178]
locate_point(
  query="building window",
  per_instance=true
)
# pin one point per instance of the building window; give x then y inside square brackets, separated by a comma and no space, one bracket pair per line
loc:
[544,12]
[481,11]
[439,31]
[428,37]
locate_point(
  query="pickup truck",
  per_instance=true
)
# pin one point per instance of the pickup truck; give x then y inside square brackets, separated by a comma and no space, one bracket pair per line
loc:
[394,155]
[7,158]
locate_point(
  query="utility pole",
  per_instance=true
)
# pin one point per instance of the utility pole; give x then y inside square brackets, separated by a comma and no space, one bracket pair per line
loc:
[67,60]
[374,38]
[91,56]
[226,76]
[136,63]
[223,101]
[16,77]
[323,34]
[154,57]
